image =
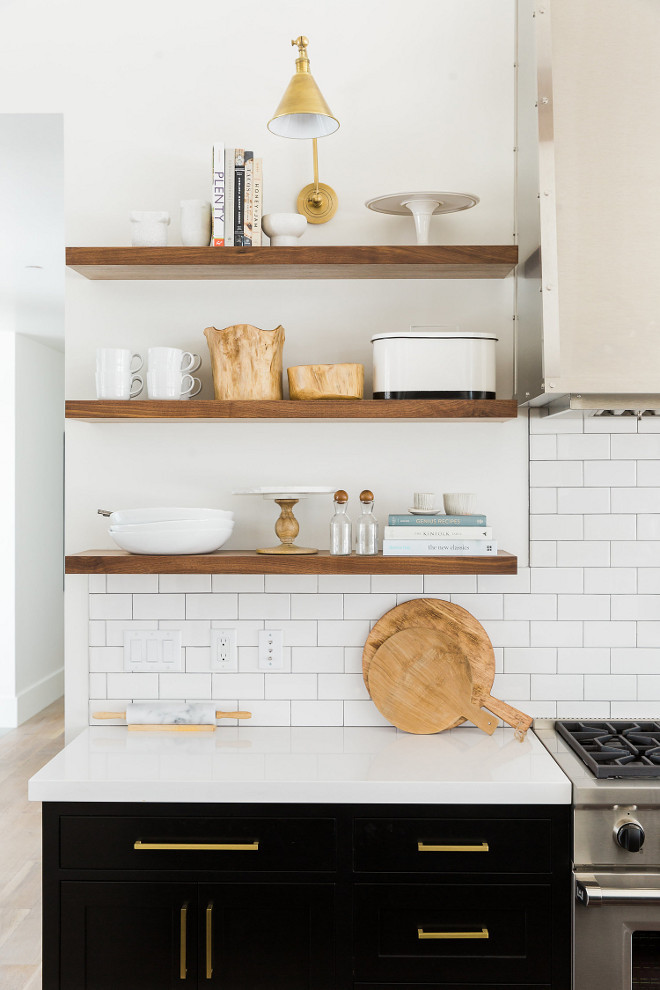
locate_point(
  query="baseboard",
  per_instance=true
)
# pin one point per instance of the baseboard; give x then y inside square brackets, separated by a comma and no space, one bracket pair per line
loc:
[39,695]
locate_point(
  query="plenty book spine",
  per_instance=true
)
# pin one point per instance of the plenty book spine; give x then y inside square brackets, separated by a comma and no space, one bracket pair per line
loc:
[218,196]
[257,201]
[229,196]
[239,196]
[248,199]
[439,548]
[407,519]
[438,533]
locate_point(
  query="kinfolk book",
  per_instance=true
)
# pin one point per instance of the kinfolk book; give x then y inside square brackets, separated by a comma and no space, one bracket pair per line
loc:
[218,196]
[439,548]
[438,533]
[230,154]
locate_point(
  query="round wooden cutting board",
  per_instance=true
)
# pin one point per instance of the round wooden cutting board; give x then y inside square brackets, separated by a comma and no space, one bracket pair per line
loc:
[420,687]
[462,634]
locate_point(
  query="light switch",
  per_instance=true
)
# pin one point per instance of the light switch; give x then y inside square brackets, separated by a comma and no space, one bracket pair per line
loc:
[153,650]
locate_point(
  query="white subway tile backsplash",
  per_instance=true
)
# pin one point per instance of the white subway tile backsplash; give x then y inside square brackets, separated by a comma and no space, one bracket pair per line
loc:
[557,687]
[482,606]
[609,634]
[608,580]
[543,500]
[318,606]
[585,500]
[345,584]
[513,584]
[106,658]
[507,633]
[317,712]
[637,554]
[131,583]
[610,527]
[307,584]
[555,474]
[187,687]
[648,633]
[648,526]
[192,633]
[263,607]
[636,500]
[214,606]
[584,607]
[610,424]
[552,580]
[531,660]
[248,661]
[247,630]
[583,447]
[604,687]
[542,553]
[648,580]
[635,661]
[134,686]
[293,685]
[353,660]
[110,606]
[449,584]
[649,424]
[96,584]
[540,422]
[610,474]
[530,606]
[543,447]
[583,660]
[556,527]
[513,687]
[583,553]
[96,633]
[97,686]
[583,709]
[648,473]
[640,447]
[636,709]
[267,712]
[648,686]
[198,659]
[556,633]
[184,583]
[318,659]
[636,607]
[362,713]
[114,631]
[159,606]
[237,584]
[347,633]
[397,584]
[238,685]
[347,686]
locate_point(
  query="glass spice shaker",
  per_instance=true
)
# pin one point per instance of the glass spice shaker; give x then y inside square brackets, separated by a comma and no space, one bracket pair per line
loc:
[341,530]
[367,525]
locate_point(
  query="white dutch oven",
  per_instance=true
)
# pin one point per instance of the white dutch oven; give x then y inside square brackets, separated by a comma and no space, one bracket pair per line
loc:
[434,365]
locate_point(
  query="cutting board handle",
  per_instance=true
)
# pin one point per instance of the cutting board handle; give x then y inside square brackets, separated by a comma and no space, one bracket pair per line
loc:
[516,719]
[481,719]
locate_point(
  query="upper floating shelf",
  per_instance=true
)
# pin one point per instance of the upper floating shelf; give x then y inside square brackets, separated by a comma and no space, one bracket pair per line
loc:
[354,261]
[212,410]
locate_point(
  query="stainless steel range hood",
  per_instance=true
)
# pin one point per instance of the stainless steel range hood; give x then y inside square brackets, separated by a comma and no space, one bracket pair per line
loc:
[588,287]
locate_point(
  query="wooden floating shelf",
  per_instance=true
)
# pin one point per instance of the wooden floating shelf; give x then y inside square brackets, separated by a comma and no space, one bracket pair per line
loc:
[213,410]
[250,562]
[301,262]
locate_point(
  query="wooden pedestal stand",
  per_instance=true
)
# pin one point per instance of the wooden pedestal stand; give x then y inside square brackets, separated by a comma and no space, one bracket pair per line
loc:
[287,528]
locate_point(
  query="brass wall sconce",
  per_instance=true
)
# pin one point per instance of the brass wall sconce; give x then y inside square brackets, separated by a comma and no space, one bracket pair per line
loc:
[303,113]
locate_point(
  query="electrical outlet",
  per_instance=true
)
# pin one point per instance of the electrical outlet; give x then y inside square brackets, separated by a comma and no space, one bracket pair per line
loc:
[152,650]
[270,649]
[223,649]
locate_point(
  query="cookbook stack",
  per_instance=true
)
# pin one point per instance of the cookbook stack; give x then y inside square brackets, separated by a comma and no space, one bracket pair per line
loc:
[237,197]
[410,535]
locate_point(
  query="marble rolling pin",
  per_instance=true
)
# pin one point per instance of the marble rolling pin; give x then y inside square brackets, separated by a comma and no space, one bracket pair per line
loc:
[197,717]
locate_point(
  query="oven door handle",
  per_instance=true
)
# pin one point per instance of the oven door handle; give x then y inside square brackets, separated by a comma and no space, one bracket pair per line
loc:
[590,893]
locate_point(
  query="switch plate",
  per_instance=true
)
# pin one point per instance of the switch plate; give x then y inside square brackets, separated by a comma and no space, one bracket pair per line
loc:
[270,649]
[152,650]
[224,655]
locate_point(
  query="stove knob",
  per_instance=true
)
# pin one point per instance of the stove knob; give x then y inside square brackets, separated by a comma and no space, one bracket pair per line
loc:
[630,836]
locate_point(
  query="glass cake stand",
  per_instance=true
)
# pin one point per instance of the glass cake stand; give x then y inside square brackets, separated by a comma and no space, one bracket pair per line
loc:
[286,527]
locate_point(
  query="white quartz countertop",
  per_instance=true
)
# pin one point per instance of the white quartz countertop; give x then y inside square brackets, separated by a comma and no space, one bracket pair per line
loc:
[302,765]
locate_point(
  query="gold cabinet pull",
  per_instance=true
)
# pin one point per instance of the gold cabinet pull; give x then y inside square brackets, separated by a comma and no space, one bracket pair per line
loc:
[233,846]
[209,940]
[424,847]
[183,968]
[482,934]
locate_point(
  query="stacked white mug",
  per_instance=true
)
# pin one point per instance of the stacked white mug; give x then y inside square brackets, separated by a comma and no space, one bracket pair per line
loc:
[116,377]
[168,373]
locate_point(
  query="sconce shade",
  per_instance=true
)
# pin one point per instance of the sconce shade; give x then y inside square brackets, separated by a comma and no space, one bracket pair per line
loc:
[302,111]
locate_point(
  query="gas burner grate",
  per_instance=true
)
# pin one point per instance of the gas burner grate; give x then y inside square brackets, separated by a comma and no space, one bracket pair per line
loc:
[615,749]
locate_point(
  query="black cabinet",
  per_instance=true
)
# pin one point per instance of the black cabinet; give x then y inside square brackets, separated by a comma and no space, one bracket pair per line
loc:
[295,897]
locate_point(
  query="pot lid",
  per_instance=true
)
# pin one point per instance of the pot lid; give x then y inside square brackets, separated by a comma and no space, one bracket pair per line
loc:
[446,335]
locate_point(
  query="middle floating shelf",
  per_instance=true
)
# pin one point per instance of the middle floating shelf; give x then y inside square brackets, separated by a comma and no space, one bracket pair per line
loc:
[213,410]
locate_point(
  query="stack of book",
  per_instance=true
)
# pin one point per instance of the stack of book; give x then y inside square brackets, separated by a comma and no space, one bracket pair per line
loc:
[236,198]
[408,535]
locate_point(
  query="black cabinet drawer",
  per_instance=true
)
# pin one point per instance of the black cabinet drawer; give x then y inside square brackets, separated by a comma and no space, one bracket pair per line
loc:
[453,935]
[229,844]
[452,845]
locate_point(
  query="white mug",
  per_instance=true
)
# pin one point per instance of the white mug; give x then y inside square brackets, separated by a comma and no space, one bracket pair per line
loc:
[115,373]
[172,359]
[171,385]
[195,222]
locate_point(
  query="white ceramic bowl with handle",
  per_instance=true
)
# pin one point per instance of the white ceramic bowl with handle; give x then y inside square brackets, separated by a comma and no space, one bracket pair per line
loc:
[136,516]
[174,541]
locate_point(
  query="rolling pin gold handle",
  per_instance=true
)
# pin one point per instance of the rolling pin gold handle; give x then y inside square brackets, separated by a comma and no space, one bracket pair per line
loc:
[233,714]
[109,714]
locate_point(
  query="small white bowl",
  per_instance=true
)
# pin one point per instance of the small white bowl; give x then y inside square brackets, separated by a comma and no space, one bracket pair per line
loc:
[459,503]
[284,229]
[172,542]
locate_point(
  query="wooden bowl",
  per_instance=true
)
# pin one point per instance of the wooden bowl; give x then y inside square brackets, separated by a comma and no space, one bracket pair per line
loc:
[326,381]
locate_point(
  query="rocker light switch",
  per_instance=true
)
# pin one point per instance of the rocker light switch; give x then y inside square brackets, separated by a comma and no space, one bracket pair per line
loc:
[152,650]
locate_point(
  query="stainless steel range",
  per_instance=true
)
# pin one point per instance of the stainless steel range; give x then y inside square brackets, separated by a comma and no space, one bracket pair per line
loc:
[615,770]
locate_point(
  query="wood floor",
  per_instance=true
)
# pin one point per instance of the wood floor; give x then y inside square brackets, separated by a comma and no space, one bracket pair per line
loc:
[22,752]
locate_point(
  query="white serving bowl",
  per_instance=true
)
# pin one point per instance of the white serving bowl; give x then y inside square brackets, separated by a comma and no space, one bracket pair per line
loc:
[166,525]
[135,516]
[173,541]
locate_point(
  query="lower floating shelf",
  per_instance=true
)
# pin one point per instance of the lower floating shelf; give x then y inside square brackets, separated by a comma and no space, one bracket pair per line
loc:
[250,562]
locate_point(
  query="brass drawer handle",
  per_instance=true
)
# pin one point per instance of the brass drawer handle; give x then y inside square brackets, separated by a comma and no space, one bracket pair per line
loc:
[423,847]
[233,846]
[209,941]
[482,934]
[183,967]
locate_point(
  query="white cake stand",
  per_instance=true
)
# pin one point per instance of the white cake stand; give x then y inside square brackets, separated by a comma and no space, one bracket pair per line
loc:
[422,206]
[286,527]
